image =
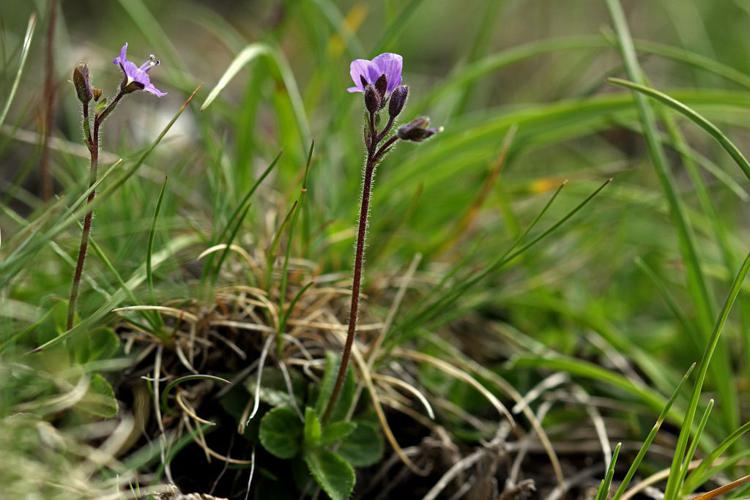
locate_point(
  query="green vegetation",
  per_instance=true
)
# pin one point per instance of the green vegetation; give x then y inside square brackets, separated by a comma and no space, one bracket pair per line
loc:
[554,301]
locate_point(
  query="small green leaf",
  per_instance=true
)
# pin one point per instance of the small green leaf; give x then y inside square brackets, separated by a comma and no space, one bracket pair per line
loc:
[274,391]
[281,432]
[313,431]
[326,387]
[100,399]
[364,446]
[97,344]
[101,105]
[334,474]
[335,432]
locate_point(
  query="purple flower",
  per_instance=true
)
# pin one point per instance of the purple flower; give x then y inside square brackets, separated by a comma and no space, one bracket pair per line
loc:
[366,72]
[137,78]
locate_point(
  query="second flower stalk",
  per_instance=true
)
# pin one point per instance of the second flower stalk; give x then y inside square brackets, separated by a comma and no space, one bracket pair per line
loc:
[134,78]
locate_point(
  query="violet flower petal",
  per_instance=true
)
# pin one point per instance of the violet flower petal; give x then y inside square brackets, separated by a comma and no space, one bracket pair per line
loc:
[135,75]
[391,66]
[388,64]
[359,68]
[153,90]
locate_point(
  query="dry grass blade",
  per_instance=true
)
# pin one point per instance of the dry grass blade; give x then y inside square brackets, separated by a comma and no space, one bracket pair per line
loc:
[169,311]
[372,353]
[653,479]
[459,374]
[457,468]
[599,425]
[409,388]
[724,489]
[261,363]
[546,384]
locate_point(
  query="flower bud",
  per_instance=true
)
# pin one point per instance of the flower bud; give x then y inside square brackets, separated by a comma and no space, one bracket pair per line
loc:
[372,99]
[97,93]
[381,85]
[82,83]
[398,100]
[417,130]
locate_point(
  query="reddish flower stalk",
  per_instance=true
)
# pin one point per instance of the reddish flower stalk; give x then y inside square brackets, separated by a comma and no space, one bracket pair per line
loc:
[92,142]
[134,78]
[379,80]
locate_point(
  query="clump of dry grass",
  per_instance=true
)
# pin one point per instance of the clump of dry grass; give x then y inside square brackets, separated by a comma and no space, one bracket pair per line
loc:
[232,343]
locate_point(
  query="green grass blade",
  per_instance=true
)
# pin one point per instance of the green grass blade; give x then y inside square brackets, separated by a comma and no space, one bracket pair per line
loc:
[151,236]
[288,252]
[395,28]
[332,14]
[697,284]
[280,64]
[235,220]
[24,54]
[156,36]
[603,492]
[699,475]
[650,437]
[591,371]
[154,320]
[694,444]
[695,117]
[228,244]
[673,482]
[139,276]
[442,303]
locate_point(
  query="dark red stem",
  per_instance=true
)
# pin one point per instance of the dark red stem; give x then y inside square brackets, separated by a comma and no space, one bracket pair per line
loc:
[93,145]
[374,156]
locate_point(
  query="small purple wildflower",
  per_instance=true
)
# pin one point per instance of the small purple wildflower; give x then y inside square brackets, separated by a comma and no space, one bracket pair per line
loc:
[136,78]
[364,72]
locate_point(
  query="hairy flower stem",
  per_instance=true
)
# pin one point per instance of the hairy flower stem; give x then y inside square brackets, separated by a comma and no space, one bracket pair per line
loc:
[92,142]
[374,156]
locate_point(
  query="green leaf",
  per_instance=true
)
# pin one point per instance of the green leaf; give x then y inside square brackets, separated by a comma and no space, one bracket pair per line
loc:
[281,432]
[100,399]
[364,446]
[273,391]
[335,432]
[334,474]
[100,343]
[346,397]
[313,432]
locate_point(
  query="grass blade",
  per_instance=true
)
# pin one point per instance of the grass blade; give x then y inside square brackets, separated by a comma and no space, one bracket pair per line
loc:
[24,54]
[694,116]
[650,437]
[151,236]
[277,60]
[700,475]
[697,285]
[603,492]
[694,444]
[674,483]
